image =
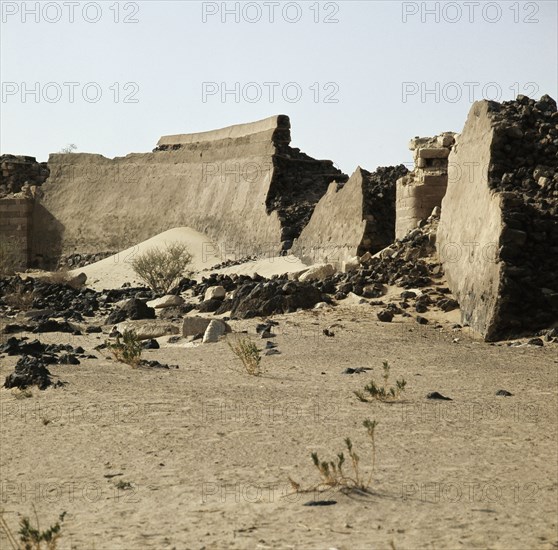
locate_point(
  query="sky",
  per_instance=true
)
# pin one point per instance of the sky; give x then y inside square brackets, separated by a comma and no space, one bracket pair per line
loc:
[358,79]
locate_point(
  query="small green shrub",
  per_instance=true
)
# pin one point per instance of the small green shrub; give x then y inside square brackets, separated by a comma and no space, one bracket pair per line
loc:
[31,537]
[128,349]
[332,474]
[247,351]
[382,393]
[162,269]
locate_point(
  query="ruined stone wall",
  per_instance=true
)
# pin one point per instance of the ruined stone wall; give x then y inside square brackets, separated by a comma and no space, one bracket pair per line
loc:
[15,232]
[424,188]
[352,219]
[17,171]
[243,186]
[498,233]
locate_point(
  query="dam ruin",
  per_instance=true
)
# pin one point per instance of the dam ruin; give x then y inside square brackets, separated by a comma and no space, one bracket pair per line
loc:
[253,194]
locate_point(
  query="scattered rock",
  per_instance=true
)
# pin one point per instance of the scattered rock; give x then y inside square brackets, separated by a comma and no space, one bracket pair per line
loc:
[317,273]
[134,310]
[29,371]
[210,306]
[504,393]
[214,331]
[320,503]
[215,293]
[147,329]
[68,359]
[535,342]
[386,316]
[357,370]
[52,325]
[436,395]
[193,326]
[155,364]
[169,300]
[150,344]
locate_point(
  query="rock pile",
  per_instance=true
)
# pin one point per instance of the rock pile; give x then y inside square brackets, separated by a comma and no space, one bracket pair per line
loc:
[48,353]
[275,296]
[30,371]
[134,309]
[409,263]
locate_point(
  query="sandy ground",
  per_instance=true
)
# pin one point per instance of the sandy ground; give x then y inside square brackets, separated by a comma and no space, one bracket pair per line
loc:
[208,449]
[115,270]
[204,453]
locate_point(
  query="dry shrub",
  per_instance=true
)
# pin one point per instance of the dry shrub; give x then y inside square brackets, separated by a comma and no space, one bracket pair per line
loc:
[20,298]
[162,269]
[247,351]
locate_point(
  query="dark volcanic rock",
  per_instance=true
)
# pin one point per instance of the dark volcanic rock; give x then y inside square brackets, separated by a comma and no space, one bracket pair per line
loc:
[386,316]
[263,299]
[210,306]
[133,310]
[51,325]
[437,395]
[29,371]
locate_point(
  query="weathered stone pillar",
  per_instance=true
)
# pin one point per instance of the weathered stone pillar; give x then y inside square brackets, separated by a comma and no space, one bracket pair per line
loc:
[423,189]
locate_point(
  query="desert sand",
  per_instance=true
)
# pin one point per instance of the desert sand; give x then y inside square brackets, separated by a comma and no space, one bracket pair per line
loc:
[115,270]
[203,453]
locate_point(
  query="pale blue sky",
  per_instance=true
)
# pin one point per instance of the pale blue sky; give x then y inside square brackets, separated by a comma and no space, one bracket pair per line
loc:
[170,52]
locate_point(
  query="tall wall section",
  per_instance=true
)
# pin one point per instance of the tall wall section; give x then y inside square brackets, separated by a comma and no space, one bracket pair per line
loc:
[498,232]
[243,186]
[353,218]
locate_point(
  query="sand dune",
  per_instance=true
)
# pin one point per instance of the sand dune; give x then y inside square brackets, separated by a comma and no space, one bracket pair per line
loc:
[114,271]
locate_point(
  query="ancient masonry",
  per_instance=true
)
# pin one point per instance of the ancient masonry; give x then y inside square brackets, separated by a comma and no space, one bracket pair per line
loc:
[252,193]
[243,186]
[498,232]
[15,231]
[352,218]
[20,179]
[20,173]
[424,188]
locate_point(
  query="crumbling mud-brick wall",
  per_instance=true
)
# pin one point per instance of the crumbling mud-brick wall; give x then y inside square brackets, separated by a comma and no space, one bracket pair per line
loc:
[15,233]
[419,192]
[19,172]
[498,232]
[243,186]
[353,218]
